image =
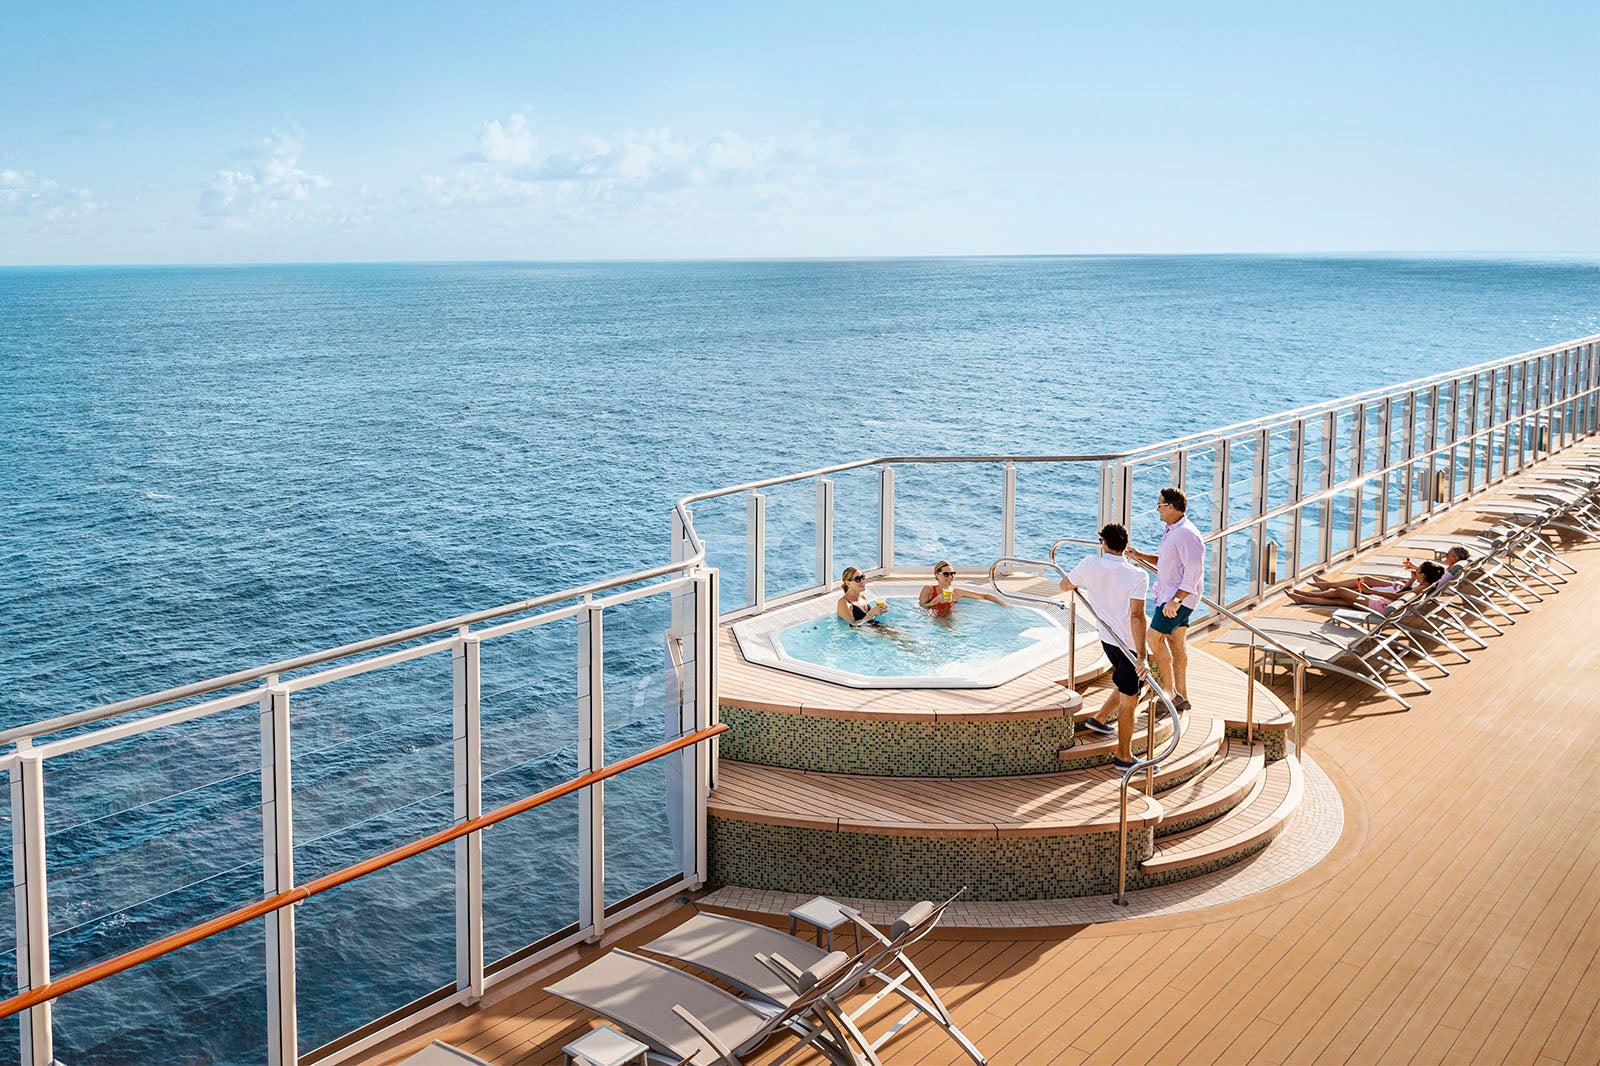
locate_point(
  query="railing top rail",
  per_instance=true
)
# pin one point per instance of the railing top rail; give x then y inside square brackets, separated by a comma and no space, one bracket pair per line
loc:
[240,915]
[890,460]
[1346,401]
[299,662]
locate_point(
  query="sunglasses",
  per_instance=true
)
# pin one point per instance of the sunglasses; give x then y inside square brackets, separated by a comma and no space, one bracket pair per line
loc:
[944,573]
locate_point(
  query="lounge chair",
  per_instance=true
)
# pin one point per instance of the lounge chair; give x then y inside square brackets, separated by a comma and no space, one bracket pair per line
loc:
[684,1018]
[439,1053]
[733,949]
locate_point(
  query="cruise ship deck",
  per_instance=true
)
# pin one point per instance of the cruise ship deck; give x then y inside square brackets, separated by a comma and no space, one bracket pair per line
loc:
[1457,919]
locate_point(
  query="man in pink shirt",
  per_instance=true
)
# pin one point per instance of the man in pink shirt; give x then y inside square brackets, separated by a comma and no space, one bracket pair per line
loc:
[1180,564]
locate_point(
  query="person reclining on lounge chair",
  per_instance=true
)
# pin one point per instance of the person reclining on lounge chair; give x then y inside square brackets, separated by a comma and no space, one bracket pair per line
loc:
[1365,592]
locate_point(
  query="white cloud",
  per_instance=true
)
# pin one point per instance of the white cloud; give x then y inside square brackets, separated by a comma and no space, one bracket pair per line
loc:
[511,143]
[269,183]
[24,193]
[630,170]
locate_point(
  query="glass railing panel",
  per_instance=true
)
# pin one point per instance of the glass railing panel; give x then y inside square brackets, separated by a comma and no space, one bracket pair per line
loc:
[1241,478]
[205,1003]
[529,713]
[1240,566]
[721,525]
[378,758]
[642,710]
[376,773]
[791,537]
[1056,500]
[640,846]
[137,848]
[122,775]
[375,944]
[855,521]
[947,511]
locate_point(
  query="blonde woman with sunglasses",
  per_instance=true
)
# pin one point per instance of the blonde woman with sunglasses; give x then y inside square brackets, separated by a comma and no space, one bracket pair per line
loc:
[943,594]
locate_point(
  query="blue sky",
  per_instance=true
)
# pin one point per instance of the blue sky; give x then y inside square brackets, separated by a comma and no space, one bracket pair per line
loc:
[199,133]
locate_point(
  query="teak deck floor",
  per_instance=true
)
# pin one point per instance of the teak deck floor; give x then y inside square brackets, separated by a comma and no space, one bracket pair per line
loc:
[1457,920]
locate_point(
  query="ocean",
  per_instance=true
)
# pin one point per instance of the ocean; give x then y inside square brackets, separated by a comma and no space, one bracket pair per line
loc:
[210,468]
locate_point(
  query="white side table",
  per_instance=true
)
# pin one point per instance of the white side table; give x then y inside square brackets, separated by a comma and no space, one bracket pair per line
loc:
[605,1047]
[824,915]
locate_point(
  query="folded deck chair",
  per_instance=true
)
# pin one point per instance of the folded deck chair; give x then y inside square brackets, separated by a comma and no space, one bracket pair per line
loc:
[737,951]
[439,1053]
[682,1017]
[1322,652]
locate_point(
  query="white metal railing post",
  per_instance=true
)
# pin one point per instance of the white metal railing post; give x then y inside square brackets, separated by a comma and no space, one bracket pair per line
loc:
[1124,492]
[1008,511]
[1358,468]
[702,757]
[885,517]
[466,663]
[277,874]
[1473,402]
[1430,441]
[1108,495]
[1385,457]
[1258,507]
[591,757]
[1330,429]
[755,554]
[30,894]
[1220,477]
[1297,488]
[824,531]
[1408,450]
[682,607]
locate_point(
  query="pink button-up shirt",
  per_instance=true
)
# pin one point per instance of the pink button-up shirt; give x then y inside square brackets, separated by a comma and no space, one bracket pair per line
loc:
[1180,563]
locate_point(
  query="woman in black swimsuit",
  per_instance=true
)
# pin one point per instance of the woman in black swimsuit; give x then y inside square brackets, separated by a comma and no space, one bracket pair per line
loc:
[853,606]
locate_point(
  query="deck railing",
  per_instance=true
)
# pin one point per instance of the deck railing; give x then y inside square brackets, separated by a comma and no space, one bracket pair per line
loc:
[1278,495]
[413,770]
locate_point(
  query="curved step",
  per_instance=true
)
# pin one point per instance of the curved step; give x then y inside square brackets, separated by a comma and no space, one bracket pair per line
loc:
[1080,802]
[1203,737]
[1242,831]
[1036,836]
[1221,788]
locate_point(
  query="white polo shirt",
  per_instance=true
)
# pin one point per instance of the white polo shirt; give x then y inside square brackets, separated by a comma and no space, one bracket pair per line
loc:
[1110,583]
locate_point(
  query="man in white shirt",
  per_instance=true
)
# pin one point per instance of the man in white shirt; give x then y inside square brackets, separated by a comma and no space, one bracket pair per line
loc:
[1115,589]
[1180,575]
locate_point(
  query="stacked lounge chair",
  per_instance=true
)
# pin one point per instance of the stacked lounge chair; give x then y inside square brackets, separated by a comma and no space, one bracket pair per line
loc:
[1512,564]
[790,987]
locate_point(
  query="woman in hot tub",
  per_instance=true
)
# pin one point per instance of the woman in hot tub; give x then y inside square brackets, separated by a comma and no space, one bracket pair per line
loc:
[943,593]
[853,606]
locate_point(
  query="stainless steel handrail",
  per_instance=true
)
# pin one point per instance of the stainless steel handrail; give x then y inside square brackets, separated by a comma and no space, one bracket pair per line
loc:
[1300,661]
[1250,425]
[1151,761]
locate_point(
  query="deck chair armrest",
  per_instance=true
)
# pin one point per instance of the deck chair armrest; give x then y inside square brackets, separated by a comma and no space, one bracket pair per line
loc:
[866,926]
[724,1052]
[787,971]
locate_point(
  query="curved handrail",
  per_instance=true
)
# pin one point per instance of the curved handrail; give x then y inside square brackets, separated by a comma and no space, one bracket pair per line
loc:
[316,886]
[1151,761]
[1300,661]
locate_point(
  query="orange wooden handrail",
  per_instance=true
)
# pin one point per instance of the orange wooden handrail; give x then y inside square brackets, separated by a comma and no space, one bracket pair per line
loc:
[222,923]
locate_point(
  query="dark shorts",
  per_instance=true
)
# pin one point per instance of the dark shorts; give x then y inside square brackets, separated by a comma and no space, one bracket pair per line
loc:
[1162,624]
[1123,673]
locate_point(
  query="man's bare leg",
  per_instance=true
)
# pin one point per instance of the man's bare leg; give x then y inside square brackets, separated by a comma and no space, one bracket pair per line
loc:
[1178,642]
[1126,708]
[1162,656]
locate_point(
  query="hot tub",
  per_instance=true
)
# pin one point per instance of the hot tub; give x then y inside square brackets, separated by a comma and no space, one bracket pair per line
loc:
[975,644]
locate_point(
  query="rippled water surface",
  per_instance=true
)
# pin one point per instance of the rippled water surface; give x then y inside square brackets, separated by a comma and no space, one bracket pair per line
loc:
[205,469]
